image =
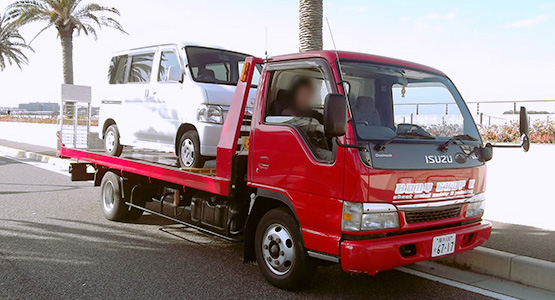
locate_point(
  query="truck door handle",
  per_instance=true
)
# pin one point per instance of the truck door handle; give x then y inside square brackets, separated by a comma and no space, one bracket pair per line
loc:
[264,162]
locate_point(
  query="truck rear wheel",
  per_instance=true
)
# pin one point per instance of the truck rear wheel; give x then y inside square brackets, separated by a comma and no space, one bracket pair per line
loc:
[280,253]
[113,205]
[188,154]
[112,145]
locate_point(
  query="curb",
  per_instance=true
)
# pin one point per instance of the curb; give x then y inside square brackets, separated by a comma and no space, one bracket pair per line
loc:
[63,164]
[522,269]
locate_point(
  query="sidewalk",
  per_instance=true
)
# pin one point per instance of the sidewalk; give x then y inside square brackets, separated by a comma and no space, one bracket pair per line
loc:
[523,240]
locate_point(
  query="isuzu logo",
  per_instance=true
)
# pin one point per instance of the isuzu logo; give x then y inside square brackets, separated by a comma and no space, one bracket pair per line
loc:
[439,159]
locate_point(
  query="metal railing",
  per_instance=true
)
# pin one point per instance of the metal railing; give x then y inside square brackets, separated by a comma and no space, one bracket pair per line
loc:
[490,112]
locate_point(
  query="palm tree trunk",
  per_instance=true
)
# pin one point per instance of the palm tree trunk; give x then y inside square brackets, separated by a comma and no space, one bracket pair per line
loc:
[310,25]
[67,55]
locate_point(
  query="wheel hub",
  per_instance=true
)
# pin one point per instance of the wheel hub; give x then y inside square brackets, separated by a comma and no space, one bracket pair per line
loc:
[108,197]
[277,249]
[110,141]
[187,153]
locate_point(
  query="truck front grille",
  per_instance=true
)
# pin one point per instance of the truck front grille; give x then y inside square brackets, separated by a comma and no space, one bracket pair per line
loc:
[432,215]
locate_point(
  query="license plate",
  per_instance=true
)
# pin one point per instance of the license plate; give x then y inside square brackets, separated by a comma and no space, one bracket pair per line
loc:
[443,244]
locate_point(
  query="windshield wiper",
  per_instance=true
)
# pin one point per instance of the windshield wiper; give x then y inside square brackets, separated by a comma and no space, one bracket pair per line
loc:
[460,137]
[381,146]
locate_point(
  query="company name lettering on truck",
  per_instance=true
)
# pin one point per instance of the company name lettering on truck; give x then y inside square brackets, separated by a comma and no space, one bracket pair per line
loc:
[407,191]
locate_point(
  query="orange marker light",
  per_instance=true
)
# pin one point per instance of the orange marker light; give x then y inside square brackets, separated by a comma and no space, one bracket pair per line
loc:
[347,216]
[245,71]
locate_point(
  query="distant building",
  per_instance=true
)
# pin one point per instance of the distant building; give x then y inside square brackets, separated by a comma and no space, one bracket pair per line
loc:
[40,106]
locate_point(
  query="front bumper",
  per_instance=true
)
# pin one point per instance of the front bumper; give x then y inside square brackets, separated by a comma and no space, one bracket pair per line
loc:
[372,256]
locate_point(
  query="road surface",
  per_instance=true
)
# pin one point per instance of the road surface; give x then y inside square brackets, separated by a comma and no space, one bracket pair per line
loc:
[55,244]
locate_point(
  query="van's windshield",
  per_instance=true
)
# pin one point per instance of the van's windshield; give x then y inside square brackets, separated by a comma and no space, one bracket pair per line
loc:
[395,104]
[216,66]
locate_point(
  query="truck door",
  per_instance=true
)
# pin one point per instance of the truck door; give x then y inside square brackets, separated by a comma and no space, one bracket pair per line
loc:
[290,154]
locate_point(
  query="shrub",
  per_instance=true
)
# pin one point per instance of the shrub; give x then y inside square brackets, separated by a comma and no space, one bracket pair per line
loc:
[541,131]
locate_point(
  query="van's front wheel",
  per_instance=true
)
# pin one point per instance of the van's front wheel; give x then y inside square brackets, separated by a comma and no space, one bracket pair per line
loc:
[280,253]
[188,154]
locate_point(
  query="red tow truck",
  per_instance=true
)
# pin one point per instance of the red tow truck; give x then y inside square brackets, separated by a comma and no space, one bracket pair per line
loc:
[388,170]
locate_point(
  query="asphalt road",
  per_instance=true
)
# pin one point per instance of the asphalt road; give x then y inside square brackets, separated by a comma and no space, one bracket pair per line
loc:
[55,244]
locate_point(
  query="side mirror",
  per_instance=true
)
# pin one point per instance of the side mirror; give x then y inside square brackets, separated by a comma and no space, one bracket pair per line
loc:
[524,129]
[175,74]
[484,153]
[335,115]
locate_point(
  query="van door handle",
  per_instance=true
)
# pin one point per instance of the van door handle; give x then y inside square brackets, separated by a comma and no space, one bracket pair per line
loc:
[264,162]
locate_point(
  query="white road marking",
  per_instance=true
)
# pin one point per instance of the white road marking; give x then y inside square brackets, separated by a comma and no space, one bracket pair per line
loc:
[41,165]
[456,284]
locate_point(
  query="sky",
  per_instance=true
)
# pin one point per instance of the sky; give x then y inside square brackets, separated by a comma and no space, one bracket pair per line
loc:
[492,50]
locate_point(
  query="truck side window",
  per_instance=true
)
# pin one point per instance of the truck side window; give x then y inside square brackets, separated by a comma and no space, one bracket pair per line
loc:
[296,98]
[116,71]
[141,67]
[167,59]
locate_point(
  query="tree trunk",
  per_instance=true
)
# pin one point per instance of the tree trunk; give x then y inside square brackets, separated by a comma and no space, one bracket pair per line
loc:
[310,25]
[67,55]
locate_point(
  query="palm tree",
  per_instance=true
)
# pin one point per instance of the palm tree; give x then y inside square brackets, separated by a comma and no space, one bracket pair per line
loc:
[11,45]
[67,16]
[310,25]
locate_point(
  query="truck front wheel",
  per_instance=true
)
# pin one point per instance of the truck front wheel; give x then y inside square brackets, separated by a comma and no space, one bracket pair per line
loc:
[188,154]
[280,253]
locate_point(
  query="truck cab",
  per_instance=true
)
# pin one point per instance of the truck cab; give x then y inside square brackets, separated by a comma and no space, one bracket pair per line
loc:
[404,182]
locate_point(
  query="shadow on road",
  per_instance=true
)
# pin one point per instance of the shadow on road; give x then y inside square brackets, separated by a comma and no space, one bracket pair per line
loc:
[75,258]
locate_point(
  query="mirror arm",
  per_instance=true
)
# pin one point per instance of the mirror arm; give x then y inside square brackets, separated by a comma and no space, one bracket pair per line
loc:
[506,146]
[361,147]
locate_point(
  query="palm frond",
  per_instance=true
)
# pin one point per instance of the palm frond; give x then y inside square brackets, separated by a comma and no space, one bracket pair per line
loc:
[11,45]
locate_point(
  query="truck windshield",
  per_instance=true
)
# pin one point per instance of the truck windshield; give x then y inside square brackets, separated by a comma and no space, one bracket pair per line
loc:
[395,104]
[215,65]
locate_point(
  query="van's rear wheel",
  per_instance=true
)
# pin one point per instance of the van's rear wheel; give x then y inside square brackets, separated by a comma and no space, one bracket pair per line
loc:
[280,253]
[189,151]
[112,146]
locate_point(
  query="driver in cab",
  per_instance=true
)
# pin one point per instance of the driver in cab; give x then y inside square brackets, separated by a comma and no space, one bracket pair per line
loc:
[308,120]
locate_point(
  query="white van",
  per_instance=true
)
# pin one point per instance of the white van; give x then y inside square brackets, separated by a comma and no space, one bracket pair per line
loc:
[171,97]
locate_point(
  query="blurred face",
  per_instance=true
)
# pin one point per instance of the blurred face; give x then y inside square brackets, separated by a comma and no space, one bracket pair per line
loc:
[303,97]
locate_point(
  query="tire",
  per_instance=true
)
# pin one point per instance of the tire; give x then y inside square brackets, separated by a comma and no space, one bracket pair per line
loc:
[280,254]
[188,155]
[112,145]
[113,205]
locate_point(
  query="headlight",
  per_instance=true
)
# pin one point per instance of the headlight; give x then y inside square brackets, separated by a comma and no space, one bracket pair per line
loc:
[210,114]
[369,216]
[476,207]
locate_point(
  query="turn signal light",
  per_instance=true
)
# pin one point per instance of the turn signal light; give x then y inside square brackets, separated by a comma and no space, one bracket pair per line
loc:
[245,71]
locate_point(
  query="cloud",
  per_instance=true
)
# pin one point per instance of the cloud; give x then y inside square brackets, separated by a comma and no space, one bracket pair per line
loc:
[528,23]
[437,16]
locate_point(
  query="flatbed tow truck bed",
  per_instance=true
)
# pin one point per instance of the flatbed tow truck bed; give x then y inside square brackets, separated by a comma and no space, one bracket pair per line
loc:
[194,178]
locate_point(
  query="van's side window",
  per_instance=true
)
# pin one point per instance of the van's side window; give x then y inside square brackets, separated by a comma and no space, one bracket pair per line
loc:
[296,98]
[167,59]
[141,67]
[116,71]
